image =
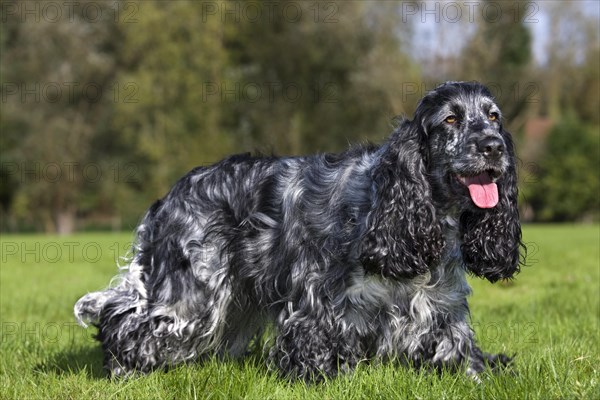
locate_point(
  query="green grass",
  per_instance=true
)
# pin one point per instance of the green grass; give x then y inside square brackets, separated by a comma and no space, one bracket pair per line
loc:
[549,317]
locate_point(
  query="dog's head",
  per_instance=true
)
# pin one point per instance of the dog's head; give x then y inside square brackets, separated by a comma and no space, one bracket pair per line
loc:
[471,165]
[467,149]
[453,158]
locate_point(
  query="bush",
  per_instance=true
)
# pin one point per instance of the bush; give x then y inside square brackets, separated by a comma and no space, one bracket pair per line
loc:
[568,187]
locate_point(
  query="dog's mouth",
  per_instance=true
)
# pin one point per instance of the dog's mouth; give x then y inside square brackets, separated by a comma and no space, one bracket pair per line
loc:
[482,188]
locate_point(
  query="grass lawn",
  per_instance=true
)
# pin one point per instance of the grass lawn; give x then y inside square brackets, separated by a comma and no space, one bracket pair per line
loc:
[549,317]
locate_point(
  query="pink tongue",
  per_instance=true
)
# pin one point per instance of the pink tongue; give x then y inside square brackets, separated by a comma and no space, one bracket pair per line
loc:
[484,192]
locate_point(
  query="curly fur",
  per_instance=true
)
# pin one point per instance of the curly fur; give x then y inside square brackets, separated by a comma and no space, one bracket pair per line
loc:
[359,255]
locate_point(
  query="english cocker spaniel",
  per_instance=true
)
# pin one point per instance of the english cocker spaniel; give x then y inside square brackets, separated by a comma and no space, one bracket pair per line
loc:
[355,256]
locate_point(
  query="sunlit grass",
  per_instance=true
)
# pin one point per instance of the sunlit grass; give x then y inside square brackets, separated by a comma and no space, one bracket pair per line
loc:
[548,317]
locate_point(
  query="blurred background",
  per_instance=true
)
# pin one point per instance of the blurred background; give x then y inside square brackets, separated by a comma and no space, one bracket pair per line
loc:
[105,104]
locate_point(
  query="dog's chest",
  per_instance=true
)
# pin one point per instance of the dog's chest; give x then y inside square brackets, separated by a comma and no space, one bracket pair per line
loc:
[419,301]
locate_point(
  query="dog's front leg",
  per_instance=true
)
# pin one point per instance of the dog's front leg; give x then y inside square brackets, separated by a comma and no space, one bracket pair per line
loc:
[479,361]
[311,344]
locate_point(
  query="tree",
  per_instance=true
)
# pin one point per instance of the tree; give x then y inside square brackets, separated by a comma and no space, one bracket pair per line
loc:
[571,73]
[182,83]
[499,54]
[56,76]
[569,83]
[173,58]
[328,78]
[568,185]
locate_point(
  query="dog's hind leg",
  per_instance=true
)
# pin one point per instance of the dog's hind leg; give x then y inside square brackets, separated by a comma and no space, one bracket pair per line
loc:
[124,326]
[158,323]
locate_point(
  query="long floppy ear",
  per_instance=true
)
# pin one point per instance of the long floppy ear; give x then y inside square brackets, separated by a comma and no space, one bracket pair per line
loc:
[403,237]
[491,239]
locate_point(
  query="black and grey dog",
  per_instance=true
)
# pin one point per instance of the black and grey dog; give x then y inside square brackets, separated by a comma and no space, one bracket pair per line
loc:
[353,256]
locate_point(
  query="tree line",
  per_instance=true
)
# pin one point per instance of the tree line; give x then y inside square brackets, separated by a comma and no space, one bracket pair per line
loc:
[105,104]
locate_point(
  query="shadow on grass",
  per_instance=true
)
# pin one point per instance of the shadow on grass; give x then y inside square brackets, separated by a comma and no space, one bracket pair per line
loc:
[71,362]
[88,360]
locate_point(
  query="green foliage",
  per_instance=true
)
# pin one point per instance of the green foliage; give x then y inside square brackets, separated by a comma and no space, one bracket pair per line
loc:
[59,77]
[323,78]
[169,56]
[568,187]
[499,55]
[183,83]
[548,316]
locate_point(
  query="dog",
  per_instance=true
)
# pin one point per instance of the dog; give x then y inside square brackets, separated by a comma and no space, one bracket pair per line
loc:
[345,257]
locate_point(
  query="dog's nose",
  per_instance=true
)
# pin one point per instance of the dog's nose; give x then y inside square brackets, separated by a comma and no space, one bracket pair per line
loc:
[491,147]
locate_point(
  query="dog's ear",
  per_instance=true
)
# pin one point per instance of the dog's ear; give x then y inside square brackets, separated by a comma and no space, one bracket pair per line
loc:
[491,238]
[403,237]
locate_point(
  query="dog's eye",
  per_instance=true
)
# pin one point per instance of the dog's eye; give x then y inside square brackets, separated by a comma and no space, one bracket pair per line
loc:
[451,119]
[493,116]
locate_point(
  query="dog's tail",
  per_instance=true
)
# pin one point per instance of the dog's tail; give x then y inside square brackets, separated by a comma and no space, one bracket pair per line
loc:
[128,295]
[88,308]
